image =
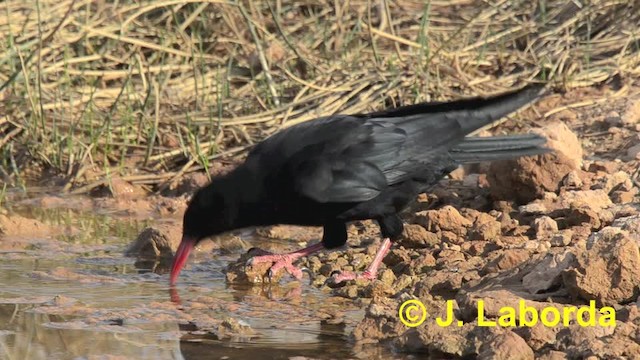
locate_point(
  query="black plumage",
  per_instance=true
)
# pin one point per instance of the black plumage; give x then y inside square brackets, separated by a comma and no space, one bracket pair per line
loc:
[336,169]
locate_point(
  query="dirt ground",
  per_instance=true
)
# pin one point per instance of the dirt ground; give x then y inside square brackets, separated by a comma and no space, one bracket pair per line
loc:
[555,230]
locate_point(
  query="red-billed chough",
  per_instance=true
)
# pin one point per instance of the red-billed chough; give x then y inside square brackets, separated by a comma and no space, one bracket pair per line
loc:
[341,168]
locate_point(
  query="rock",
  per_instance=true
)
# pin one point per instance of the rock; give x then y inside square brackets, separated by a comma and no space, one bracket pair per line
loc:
[553,355]
[19,226]
[457,174]
[417,237]
[485,227]
[423,263]
[607,167]
[478,247]
[533,208]
[506,345]
[288,232]
[549,196]
[403,282]
[387,277]
[167,206]
[563,238]
[441,283]
[351,291]
[581,214]
[449,257]
[572,180]
[507,224]
[121,189]
[397,256]
[629,313]
[576,335]
[631,114]
[453,247]
[610,347]
[380,321]
[537,336]
[471,180]
[160,241]
[448,342]
[633,153]
[449,237]
[225,244]
[613,118]
[623,197]
[624,210]
[516,240]
[630,224]
[596,200]
[445,219]
[527,178]
[430,338]
[545,227]
[232,328]
[548,272]
[188,184]
[588,207]
[509,259]
[618,180]
[494,301]
[327,269]
[239,273]
[608,270]
[543,246]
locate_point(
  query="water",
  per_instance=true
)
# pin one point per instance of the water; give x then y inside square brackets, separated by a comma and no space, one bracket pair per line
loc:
[77,297]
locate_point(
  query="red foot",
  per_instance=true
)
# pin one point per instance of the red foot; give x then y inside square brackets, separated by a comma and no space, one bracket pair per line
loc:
[280,261]
[349,275]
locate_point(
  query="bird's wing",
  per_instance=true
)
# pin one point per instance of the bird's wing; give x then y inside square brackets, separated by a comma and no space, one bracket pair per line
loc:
[335,179]
[346,158]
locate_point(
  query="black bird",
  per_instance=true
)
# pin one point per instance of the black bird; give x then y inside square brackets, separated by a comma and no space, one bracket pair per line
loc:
[343,168]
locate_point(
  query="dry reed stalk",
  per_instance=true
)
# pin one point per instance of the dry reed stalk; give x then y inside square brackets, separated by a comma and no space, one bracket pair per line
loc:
[153,90]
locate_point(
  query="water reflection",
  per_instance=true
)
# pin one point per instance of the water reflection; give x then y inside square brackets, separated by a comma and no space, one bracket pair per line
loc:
[26,334]
[119,307]
[30,335]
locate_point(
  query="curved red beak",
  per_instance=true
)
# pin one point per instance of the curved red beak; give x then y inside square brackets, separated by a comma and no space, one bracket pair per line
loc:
[181,256]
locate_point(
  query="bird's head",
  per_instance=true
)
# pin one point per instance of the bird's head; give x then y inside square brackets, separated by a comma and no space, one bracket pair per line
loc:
[209,212]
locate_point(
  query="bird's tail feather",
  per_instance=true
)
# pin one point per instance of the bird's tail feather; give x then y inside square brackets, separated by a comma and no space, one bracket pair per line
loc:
[480,113]
[477,149]
[446,123]
[471,113]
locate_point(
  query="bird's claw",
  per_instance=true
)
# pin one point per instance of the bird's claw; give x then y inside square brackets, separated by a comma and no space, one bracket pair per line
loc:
[271,274]
[257,254]
[279,262]
[293,271]
[312,276]
[340,278]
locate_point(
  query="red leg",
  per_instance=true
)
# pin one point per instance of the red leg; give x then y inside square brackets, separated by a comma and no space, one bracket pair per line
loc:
[372,271]
[285,261]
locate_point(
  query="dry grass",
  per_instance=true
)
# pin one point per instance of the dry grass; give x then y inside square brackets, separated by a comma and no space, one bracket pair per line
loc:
[151,90]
